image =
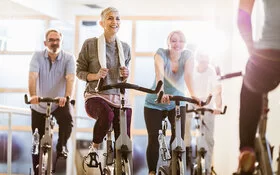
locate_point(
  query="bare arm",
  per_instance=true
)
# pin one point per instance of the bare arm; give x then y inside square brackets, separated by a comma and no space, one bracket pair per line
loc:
[159,69]
[244,22]
[32,83]
[188,75]
[70,81]
[218,98]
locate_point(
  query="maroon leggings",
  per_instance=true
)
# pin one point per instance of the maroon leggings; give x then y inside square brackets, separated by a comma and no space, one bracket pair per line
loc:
[105,115]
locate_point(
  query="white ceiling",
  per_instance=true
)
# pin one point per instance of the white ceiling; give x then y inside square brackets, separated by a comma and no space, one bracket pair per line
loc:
[68,9]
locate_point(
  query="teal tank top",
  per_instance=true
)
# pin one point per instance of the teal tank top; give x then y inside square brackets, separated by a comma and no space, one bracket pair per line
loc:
[174,83]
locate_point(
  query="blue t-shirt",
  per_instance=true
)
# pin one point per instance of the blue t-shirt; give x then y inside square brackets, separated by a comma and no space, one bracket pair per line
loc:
[51,80]
[174,83]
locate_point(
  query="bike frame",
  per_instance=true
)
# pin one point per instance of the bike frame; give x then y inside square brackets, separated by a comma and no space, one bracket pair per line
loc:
[123,145]
[199,164]
[262,146]
[178,152]
[46,142]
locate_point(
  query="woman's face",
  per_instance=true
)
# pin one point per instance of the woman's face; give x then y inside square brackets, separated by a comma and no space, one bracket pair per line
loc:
[176,43]
[111,23]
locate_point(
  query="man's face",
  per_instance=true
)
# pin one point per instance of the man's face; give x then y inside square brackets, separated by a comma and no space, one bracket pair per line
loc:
[203,59]
[53,43]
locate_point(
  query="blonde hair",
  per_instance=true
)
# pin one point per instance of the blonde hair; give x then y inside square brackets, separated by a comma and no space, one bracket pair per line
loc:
[179,32]
[52,30]
[106,11]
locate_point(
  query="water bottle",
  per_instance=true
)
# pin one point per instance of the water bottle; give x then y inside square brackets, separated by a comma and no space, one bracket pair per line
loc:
[164,152]
[35,142]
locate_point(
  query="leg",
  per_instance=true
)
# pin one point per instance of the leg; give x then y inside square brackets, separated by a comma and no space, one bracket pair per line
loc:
[153,119]
[64,118]
[116,121]
[208,131]
[261,77]
[37,121]
[100,110]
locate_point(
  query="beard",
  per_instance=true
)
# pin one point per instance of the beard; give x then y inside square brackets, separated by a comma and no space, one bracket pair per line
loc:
[53,50]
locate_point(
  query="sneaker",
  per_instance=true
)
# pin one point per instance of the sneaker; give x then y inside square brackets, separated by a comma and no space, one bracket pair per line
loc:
[92,158]
[63,153]
[247,159]
[152,173]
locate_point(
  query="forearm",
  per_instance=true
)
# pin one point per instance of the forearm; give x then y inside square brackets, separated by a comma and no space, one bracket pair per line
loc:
[70,81]
[245,27]
[159,70]
[32,82]
[189,83]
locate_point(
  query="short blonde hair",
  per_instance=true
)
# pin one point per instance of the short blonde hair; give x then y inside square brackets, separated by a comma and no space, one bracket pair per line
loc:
[106,11]
[179,32]
[52,30]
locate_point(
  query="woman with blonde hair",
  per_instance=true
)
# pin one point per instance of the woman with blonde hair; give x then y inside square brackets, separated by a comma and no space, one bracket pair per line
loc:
[173,66]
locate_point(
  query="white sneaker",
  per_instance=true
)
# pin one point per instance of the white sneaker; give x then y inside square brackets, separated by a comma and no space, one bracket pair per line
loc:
[92,158]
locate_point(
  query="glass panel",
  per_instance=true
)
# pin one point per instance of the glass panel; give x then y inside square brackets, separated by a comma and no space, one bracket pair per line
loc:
[21,120]
[138,113]
[144,78]
[80,102]
[89,29]
[21,147]
[4,119]
[3,151]
[139,155]
[22,35]
[21,152]
[14,71]
[68,32]
[13,99]
[148,40]
[85,122]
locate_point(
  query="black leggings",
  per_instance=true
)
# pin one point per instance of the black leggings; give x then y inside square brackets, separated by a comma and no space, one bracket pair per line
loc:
[153,119]
[261,77]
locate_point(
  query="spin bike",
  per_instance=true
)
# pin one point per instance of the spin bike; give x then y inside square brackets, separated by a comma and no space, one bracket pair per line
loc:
[178,153]
[45,166]
[122,163]
[198,166]
[263,149]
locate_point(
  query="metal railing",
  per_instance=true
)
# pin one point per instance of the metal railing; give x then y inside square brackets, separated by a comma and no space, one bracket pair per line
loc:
[25,112]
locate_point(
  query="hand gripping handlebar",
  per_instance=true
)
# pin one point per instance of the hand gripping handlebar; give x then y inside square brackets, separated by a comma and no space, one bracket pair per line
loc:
[127,86]
[48,100]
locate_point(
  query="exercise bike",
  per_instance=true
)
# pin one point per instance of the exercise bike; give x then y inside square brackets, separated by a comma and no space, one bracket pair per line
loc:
[199,166]
[178,152]
[45,166]
[122,162]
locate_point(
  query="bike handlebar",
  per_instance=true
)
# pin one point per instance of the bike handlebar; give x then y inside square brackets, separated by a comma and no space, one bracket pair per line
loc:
[202,110]
[187,99]
[230,75]
[48,100]
[127,86]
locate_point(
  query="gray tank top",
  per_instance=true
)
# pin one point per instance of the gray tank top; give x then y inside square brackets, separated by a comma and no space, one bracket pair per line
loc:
[270,38]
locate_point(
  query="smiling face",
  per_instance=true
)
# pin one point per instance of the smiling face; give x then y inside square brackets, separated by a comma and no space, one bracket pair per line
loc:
[53,42]
[111,23]
[176,41]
